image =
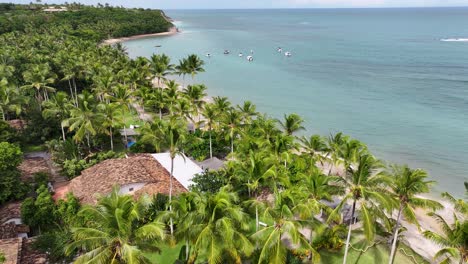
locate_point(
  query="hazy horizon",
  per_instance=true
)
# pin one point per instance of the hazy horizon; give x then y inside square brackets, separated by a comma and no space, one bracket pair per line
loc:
[268,4]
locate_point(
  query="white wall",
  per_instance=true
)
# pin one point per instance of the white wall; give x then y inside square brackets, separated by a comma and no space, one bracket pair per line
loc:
[17,221]
[130,188]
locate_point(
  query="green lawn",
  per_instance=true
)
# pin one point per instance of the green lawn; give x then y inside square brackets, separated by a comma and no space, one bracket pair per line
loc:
[33,148]
[168,254]
[379,253]
[131,118]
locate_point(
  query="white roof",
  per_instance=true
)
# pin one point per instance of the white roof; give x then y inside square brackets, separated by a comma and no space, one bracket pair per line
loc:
[184,168]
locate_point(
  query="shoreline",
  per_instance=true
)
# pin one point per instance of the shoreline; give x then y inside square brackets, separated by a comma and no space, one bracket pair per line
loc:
[172,31]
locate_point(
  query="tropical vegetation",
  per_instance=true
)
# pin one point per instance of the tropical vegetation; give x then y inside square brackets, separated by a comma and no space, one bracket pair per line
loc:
[282,196]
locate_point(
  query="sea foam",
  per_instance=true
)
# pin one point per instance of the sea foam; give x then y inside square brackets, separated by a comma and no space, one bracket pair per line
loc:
[455,40]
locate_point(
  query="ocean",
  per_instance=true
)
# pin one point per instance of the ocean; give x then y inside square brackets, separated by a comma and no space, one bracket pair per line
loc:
[396,79]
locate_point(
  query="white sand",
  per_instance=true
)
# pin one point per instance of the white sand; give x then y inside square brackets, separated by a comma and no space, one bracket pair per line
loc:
[171,31]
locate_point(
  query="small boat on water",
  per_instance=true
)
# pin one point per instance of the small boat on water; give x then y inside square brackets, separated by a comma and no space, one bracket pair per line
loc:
[226,52]
[280,50]
[249,58]
[240,54]
[208,55]
[288,54]
[251,52]
[158,46]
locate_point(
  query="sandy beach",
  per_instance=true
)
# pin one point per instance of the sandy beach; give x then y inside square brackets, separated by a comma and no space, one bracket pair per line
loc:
[172,31]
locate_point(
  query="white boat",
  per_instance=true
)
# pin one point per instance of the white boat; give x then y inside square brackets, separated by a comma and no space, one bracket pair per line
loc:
[288,54]
[250,58]
[208,55]
[280,50]
[226,52]
[240,54]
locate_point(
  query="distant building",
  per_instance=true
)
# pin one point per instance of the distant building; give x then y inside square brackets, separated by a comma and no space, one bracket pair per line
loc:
[56,9]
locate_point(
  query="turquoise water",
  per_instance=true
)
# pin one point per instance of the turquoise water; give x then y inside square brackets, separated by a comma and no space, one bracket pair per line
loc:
[380,75]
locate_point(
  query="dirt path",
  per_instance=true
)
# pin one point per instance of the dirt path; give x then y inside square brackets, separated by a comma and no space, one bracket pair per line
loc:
[57,179]
[142,114]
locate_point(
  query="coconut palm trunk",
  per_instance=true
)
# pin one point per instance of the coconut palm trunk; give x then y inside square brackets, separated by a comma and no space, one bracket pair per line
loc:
[71,92]
[76,93]
[257,223]
[111,139]
[211,147]
[232,142]
[395,236]
[170,195]
[348,239]
[125,128]
[63,131]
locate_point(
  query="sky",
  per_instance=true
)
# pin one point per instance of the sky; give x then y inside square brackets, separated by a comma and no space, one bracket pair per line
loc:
[215,4]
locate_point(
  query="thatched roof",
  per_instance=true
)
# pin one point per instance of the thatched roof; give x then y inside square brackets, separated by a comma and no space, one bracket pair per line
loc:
[11,248]
[32,165]
[29,255]
[9,211]
[211,164]
[101,178]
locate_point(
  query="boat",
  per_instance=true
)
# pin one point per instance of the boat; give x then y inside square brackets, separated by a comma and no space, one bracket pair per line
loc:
[226,52]
[280,50]
[208,55]
[288,54]
[250,58]
[240,54]
[158,46]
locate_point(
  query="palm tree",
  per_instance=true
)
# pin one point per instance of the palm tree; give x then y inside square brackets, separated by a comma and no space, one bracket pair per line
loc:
[292,124]
[248,111]
[314,146]
[194,65]
[111,117]
[232,120]
[406,185]
[153,134]
[103,85]
[173,137]
[210,114]
[454,240]
[156,100]
[267,128]
[39,77]
[10,98]
[365,184]
[183,109]
[218,226]
[221,104]
[171,94]
[83,118]
[286,224]
[195,94]
[114,232]
[161,67]
[58,107]
[123,97]
[255,174]
[182,69]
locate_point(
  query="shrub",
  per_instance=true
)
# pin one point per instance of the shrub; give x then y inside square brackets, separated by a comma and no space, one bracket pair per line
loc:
[209,181]
[41,178]
[10,156]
